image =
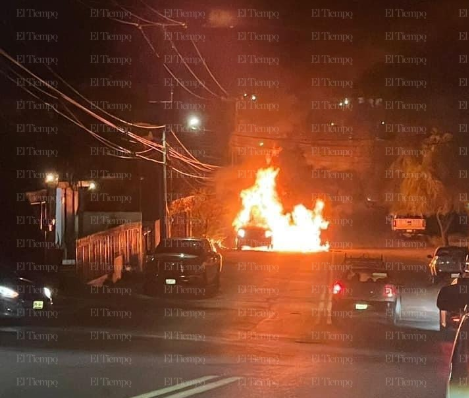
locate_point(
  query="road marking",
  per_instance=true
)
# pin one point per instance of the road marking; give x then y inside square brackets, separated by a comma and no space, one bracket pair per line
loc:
[204,388]
[162,391]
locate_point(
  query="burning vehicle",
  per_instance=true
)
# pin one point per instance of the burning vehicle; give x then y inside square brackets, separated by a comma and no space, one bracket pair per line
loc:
[263,223]
[253,237]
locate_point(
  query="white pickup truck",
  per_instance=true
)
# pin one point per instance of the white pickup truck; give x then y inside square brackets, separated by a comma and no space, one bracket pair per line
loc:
[408,225]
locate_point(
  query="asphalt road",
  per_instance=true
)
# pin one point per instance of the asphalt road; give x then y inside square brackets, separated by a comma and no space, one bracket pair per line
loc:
[265,334]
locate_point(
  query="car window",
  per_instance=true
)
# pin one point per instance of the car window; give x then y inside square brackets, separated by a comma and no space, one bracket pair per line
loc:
[366,276]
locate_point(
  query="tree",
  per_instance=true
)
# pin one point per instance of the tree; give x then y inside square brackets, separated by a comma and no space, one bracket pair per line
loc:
[205,213]
[426,179]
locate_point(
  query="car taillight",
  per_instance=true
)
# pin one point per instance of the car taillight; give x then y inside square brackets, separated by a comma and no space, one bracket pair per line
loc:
[394,223]
[389,291]
[337,288]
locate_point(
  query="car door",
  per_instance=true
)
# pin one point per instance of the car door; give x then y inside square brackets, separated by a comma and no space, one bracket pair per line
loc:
[458,384]
[210,261]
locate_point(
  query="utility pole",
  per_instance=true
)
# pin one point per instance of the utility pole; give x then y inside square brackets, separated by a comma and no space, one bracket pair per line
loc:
[164,203]
[164,221]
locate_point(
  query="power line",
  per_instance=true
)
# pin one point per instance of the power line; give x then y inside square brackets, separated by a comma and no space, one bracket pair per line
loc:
[167,68]
[208,69]
[74,120]
[194,163]
[149,127]
[151,23]
[163,16]
[190,69]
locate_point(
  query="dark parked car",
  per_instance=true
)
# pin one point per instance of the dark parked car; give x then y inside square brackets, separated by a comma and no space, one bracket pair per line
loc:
[253,237]
[20,296]
[183,262]
[449,320]
[365,292]
[449,261]
[455,298]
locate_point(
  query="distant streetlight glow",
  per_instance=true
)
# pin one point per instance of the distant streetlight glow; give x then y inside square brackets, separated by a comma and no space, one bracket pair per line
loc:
[92,186]
[51,177]
[346,101]
[194,122]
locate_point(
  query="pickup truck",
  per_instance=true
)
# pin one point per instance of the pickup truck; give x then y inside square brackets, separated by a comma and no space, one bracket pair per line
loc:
[408,225]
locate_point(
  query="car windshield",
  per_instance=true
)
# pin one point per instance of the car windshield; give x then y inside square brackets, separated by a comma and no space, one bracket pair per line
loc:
[451,252]
[181,246]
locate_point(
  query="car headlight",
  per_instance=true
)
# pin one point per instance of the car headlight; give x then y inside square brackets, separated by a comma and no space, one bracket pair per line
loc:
[241,233]
[7,292]
[47,292]
[268,234]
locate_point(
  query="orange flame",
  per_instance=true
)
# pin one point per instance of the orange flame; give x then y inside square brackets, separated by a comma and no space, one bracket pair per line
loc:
[298,231]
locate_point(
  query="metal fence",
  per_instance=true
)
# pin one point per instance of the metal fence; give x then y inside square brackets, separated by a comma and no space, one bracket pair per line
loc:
[107,252]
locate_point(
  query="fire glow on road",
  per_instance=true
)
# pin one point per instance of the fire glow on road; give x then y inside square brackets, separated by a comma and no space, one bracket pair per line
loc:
[298,231]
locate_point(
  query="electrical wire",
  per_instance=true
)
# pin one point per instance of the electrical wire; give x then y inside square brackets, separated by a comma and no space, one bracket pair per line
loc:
[196,165]
[208,69]
[183,24]
[74,121]
[164,16]
[202,84]
[152,127]
[64,96]
[190,154]
[138,138]
[167,68]
[151,23]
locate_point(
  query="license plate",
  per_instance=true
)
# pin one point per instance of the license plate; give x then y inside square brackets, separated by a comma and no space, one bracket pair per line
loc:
[361,306]
[454,275]
[38,305]
[170,281]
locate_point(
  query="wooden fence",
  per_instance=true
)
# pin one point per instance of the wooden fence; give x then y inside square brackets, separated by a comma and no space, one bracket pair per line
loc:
[107,252]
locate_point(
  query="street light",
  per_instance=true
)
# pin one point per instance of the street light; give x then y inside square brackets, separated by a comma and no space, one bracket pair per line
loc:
[51,178]
[194,122]
[92,186]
